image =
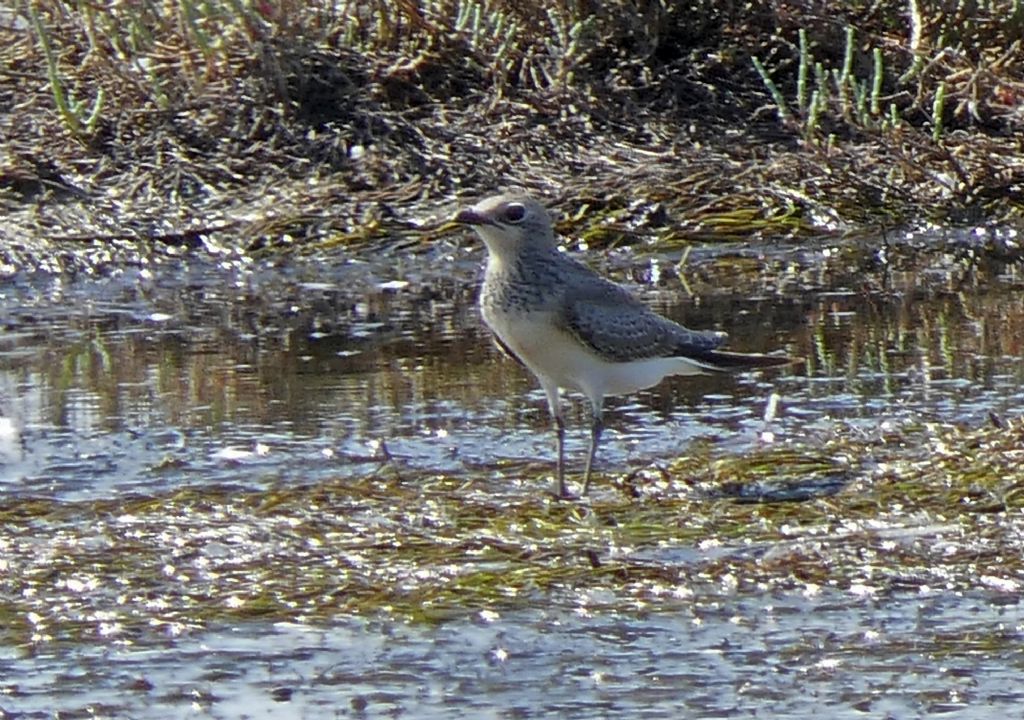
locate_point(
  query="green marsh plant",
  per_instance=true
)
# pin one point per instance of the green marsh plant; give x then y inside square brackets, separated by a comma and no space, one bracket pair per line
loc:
[839,93]
[80,119]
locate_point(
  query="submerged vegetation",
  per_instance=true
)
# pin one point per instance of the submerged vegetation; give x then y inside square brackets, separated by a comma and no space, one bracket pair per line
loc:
[916,507]
[280,123]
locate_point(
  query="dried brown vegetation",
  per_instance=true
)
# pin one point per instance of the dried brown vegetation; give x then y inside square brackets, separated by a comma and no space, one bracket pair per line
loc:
[289,123]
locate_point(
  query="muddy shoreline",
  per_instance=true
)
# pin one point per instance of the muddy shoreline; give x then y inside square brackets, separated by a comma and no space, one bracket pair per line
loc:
[262,134]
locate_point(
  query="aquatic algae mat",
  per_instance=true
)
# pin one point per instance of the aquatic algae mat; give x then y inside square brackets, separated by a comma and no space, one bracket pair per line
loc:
[911,508]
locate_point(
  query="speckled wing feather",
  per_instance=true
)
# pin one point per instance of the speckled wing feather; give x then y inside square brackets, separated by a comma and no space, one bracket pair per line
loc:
[618,327]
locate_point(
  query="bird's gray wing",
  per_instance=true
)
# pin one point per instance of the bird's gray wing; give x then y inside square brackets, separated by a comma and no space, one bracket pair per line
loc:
[618,327]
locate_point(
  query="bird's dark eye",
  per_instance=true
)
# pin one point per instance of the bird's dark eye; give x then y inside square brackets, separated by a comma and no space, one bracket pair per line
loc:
[514,212]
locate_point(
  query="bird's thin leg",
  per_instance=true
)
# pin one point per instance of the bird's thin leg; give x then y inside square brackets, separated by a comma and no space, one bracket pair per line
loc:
[596,426]
[555,406]
[560,440]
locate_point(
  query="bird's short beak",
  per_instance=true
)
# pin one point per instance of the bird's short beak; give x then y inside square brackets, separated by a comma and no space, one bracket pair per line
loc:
[469,216]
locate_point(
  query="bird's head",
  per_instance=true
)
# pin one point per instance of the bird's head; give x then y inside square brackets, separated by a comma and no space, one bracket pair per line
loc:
[509,223]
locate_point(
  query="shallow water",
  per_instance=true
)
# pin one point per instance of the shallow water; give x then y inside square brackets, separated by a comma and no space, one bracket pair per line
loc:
[199,373]
[315,370]
[785,656]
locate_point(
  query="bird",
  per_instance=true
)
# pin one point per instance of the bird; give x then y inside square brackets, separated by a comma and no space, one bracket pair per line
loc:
[576,330]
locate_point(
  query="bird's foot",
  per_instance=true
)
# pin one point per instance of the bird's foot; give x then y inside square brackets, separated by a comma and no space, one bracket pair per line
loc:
[561,492]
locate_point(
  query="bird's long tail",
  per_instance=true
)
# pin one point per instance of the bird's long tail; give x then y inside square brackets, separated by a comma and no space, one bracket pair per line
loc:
[727,362]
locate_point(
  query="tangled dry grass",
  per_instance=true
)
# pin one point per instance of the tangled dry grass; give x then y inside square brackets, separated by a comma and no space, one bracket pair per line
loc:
[294,124]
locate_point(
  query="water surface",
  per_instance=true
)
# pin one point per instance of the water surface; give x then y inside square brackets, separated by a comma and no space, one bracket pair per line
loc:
[151,380]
